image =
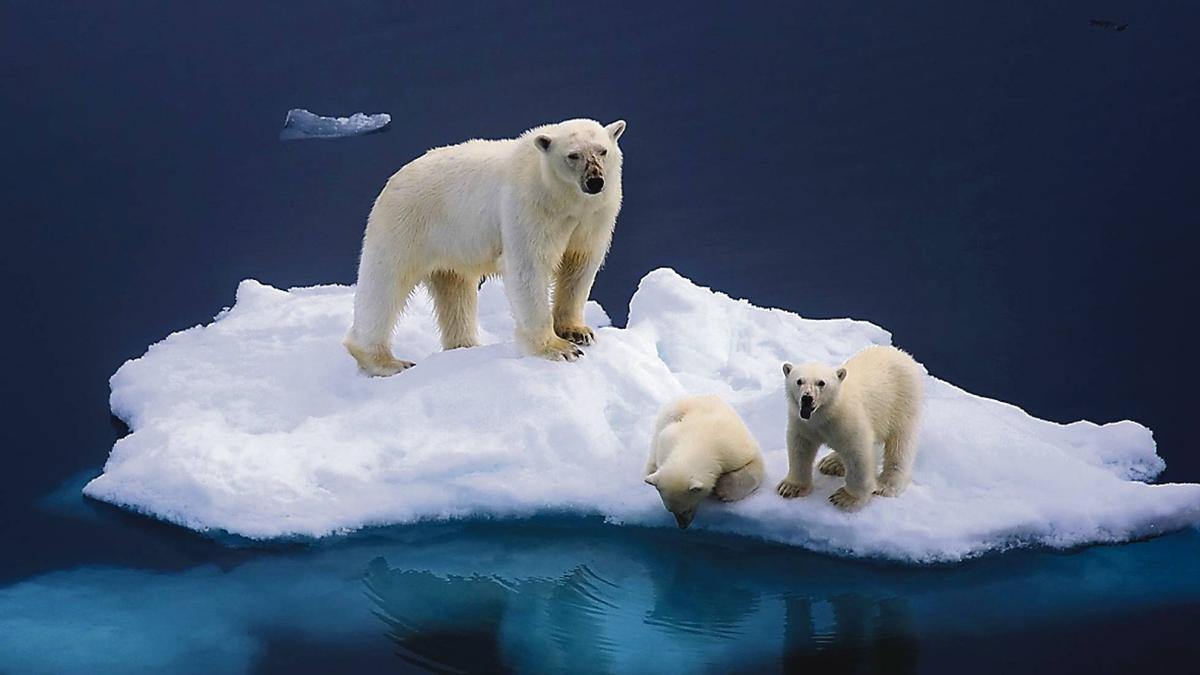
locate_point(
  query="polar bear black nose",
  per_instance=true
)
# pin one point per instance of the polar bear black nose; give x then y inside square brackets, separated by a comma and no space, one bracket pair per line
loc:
[593,185]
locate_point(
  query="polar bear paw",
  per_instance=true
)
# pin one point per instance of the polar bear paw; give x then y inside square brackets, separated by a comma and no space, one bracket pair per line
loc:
[845,501]
[790,489]
[385,368]
[891,485]
[580,335]
[377,362]
[558,349]
[832,465]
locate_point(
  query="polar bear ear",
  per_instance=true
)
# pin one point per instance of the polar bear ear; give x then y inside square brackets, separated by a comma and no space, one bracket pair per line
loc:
[652,479]
[841,373]
[615,129]
[542,142]
[787,368]
[695,485]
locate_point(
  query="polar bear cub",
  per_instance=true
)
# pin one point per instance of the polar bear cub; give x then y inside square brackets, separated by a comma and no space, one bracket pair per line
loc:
[701,448]
[539,209]
[875,397]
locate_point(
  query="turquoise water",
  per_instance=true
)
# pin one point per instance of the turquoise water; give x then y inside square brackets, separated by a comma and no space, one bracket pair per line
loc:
[550,595]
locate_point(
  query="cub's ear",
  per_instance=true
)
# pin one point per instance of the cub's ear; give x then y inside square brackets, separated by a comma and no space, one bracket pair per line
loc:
[695,485]
[652,479]
[787,368]
[542,142]
[841,373]
[615,129]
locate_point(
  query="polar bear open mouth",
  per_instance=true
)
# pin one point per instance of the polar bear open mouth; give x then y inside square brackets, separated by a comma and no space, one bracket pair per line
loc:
[259,424]
[806,407]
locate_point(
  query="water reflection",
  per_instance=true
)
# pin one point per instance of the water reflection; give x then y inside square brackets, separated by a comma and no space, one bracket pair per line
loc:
[866,634]
[607,600]
[553,596]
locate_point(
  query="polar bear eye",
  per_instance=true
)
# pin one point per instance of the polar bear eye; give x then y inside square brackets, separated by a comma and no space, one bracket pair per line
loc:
[800,381]
[820,383]
[602,152]
[573,156]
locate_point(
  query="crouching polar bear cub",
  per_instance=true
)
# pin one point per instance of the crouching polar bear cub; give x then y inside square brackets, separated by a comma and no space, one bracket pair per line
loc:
[538,209]
[875,397]
[701,448]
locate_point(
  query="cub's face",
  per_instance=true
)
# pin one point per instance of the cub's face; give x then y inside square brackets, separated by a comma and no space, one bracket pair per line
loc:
[812,386]
[584,154]
[680,495]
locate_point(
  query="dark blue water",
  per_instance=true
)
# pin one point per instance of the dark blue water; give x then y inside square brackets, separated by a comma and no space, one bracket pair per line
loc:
[1010,191]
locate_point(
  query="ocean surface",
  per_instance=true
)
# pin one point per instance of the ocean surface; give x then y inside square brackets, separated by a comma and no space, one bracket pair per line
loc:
[1007,189]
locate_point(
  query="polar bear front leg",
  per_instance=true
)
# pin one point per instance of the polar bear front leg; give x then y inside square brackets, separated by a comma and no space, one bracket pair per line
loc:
[572,285]
[527,283]
[801,453]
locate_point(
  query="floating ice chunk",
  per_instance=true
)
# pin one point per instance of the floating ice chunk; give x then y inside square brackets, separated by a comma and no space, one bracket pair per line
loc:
[300,124]
[258,424]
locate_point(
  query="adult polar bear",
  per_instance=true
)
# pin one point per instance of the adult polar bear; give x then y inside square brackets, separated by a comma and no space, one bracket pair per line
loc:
[538,209]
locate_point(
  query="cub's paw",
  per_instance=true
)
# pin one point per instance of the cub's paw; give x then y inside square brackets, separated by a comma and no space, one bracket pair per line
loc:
[580,335]
[846,501]
[792,489]
[723,493]
[558,349]
[891,486]
[832,465]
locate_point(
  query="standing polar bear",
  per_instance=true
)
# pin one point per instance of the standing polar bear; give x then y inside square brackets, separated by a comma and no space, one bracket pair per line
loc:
[875,397]
[701,448]
[538,209]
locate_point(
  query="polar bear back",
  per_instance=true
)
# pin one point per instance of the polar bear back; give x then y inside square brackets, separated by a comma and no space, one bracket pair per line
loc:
[444,202]
[886,382]
[703,428]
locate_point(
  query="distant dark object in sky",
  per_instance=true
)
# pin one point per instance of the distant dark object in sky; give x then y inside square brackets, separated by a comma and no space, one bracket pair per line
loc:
[301,124]
[1105,23]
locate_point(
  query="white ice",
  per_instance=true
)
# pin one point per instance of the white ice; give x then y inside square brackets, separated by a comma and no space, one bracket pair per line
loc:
[259,425]
[300,124]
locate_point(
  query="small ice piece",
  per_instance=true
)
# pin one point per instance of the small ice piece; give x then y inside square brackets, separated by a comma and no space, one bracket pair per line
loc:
[301,124]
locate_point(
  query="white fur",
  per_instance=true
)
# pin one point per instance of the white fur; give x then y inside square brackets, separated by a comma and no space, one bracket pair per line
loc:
[516,207]
[875,397]
[701,448]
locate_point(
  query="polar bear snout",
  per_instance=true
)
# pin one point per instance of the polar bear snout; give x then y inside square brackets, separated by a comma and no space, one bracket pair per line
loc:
[593,184]
[807,406]
[685,518]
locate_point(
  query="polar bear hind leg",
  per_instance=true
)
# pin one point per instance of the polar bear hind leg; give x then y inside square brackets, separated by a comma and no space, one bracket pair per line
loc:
[378,301]
[738,484]
[455,300]
[832,465]
[899,451]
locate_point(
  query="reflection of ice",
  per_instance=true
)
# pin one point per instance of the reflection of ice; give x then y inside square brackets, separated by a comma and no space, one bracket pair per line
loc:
[300,124]
[548,596]
[458,624]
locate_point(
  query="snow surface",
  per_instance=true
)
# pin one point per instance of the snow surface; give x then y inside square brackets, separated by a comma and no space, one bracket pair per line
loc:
[259,425]
[300,124]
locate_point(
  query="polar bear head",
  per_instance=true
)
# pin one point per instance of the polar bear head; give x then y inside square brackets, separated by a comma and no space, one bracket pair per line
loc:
[812,386]
[581,154]
[681,492]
